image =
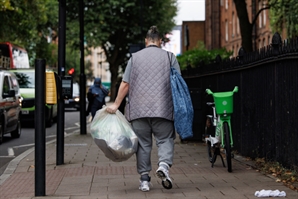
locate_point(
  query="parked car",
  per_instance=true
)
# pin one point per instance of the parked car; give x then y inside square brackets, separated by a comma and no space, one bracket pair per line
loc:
[73,102]
[26,79]
[10,105]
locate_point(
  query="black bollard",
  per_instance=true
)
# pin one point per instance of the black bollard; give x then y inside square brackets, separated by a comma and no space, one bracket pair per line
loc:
[40,130]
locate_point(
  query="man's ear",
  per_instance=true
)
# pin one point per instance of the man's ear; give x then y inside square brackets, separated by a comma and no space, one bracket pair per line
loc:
[146,41]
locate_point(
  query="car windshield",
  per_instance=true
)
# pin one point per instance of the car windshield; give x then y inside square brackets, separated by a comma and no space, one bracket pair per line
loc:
[26,79]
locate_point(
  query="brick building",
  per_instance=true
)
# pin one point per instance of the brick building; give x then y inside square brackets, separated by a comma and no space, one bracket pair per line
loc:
[223,28]
[195,31]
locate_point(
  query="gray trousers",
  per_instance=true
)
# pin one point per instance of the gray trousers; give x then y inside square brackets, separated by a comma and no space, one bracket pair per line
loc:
[164,134]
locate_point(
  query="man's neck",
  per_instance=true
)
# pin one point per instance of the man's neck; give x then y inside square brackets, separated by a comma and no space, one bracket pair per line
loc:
[152,44]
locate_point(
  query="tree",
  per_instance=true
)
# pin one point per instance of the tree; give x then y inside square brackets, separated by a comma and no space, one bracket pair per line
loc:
[5,5]
[115,24]
[72,60]
[283,14]
[246,27]
[194,57]
[27,23]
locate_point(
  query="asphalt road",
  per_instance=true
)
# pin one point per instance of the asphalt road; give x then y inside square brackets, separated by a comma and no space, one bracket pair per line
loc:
[11,147]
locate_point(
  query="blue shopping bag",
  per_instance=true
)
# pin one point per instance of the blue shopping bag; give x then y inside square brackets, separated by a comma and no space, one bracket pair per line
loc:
[183,109]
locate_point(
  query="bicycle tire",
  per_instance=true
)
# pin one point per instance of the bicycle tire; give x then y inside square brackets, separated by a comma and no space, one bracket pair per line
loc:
[228,146]
[210,149]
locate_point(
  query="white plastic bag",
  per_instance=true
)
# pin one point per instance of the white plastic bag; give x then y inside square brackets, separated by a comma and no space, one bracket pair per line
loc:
[114,135]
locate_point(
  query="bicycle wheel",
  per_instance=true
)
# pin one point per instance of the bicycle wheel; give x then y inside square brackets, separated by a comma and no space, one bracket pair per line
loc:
[210,151]
[228,146]
[208,131]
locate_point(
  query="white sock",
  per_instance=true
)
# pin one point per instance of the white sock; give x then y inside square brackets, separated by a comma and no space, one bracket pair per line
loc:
[164,165]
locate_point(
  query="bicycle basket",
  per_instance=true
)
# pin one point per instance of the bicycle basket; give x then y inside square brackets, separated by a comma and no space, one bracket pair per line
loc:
[223,102]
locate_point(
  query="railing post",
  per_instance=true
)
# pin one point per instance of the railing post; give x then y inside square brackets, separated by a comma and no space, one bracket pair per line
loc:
[276,43]
[241,54]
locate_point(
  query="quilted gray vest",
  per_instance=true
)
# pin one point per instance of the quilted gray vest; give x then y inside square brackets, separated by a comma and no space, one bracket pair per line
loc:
[150,92]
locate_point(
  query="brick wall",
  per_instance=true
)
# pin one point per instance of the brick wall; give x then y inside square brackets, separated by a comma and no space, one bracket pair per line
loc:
[196,31]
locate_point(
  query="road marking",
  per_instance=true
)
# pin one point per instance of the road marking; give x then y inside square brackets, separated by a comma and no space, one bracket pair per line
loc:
[70,128]
[10,151]
[51,136]
[73,127]
[20,146]
[79,144]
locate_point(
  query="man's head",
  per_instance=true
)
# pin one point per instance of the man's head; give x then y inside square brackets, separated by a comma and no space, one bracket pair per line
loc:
[97,81]
[153,37]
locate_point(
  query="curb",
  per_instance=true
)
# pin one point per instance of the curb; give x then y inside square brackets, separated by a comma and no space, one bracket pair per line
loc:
[11,167]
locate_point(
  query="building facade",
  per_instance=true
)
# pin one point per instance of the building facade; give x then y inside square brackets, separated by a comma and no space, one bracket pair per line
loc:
[192,32]
[223,27]
[99,65]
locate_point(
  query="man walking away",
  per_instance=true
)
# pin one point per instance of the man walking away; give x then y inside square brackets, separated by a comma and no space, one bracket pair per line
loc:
[150,106]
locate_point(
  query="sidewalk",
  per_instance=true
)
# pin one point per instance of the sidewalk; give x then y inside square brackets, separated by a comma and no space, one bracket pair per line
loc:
[88,174]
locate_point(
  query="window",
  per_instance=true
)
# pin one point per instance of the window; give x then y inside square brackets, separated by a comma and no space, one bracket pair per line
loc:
[233,24]
[238,27]
[237,48]
[26,79]
[264,16]
[260,16]
[227,30]
[6,85]
[227,4]
[269,40]
[18,56]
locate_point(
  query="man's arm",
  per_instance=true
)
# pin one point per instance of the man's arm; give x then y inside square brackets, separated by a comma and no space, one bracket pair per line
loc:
[122,92]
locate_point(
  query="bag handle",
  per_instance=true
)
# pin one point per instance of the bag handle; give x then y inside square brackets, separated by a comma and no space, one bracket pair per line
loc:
[170,60]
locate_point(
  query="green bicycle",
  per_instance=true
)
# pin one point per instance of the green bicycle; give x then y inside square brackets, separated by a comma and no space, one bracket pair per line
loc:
[220,122]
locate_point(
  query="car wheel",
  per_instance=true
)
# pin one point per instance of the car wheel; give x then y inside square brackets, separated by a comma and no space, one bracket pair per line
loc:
[1,133]
[17,132]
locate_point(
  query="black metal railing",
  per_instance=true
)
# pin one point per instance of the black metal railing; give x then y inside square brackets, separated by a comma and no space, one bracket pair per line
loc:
[265,108]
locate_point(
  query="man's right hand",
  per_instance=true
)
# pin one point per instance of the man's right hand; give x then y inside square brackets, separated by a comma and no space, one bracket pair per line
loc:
[112,108]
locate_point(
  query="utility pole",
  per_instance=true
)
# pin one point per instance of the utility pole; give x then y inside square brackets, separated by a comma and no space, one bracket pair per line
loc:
[82,72]
[61,74]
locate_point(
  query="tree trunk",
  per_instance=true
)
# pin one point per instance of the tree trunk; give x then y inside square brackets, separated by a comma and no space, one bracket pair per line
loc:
[245,26]
[114,77]
[115,58]
[114,69]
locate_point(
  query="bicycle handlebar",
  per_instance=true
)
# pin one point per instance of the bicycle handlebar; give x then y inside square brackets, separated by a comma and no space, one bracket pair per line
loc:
[209,92]
[235,89]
